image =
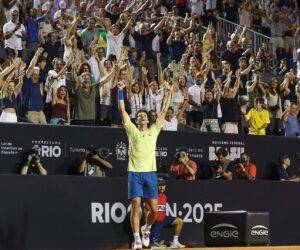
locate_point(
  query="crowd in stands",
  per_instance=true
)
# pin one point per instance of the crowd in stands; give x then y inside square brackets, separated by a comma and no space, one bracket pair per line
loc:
[64,59]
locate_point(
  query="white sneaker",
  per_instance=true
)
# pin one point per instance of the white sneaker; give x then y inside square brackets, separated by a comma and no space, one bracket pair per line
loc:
[145,236]
[136,245]
[176,245]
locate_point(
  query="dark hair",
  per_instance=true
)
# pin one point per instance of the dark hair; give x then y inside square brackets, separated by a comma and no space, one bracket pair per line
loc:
[79,42]
[80,71]
[170,108]
[112,58]
[183,149]
[260,100]
[221,152]
[141,111]
[282,157]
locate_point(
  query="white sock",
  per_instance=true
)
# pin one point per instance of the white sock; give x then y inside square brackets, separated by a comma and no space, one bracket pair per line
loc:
[136,237]
[175,239]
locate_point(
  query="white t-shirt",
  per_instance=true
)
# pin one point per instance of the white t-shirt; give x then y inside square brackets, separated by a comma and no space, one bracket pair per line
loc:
[154,101]
[94,67]
[194,91]
[49,82]
[104,91]
[197,7]
[155,44]
[114,43]
[58,14]
[171,125]
[13,42]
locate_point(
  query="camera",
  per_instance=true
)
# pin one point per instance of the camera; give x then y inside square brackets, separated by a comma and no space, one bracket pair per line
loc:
[215,167]
[34,155]
[92,151]
[179,156]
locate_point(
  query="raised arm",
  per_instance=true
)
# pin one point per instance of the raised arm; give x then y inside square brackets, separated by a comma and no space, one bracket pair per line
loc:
[34,62]
[167,101]
[121,104]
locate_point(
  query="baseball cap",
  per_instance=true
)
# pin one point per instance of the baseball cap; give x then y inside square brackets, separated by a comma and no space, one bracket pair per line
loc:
[62,5]
[161,181]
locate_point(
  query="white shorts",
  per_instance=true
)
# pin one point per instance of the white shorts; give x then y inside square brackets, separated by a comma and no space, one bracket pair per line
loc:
[8,117]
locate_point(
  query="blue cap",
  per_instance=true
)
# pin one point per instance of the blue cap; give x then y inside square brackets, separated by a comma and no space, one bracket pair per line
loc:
[161,181]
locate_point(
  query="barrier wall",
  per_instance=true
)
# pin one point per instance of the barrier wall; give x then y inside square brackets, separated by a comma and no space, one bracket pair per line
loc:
[72,212]
[61,148]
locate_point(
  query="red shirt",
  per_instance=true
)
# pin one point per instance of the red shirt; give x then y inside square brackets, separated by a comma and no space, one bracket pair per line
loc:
[161,207]
[183,173]
[251,169]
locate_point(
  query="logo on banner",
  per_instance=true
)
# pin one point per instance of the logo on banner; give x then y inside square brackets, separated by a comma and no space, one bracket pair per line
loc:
[234,149]
[259,230]
[224,230]
[121,151]
[47,148]
[161,151]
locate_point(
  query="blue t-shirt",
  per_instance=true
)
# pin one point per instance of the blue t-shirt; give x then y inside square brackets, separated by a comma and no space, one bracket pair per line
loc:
[32,95]
[291,127]
[33,29]
[282,173]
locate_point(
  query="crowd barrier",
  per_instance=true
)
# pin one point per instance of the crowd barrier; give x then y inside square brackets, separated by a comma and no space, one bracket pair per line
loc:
[72,212]
[61,148]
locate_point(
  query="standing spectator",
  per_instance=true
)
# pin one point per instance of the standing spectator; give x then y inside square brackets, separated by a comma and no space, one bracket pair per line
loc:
[274,101]
[258,118]
[245,170]
[231,55]
[289,119]
[230,107]
[244,14]
[231,11]
[196,113]
[208,42]
[276,32]
[33,92]
[14,34]
[60,106]
[88,34]
[171,122]
[152,117]
[183,167]
[9,91]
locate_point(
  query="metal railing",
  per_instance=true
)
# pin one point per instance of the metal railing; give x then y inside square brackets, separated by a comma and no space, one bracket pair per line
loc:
[225,27]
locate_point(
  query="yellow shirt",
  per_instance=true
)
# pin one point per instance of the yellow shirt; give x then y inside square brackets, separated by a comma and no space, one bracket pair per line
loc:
[257,119]
[142,145]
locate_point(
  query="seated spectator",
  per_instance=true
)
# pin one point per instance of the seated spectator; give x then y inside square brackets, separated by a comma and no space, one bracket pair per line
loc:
[222,168]
[283,174]
[258,118]
[32,164]
[245,170]
[183,167]
[93,164]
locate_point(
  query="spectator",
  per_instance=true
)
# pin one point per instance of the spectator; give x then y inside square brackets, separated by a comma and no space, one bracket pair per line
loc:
[231,55]
[283,174]
[208,42]
[245,170]
[32,164]
[289,119]
[152,117]
[162,220]
[85,98]
[230,107]
[222,168]
[93,164]
[9,91]
[14,34]
[276,31]
[258,118]
[60,106]
[171,122]
[196,113]
[183,167]
[33,92]
[88,34]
